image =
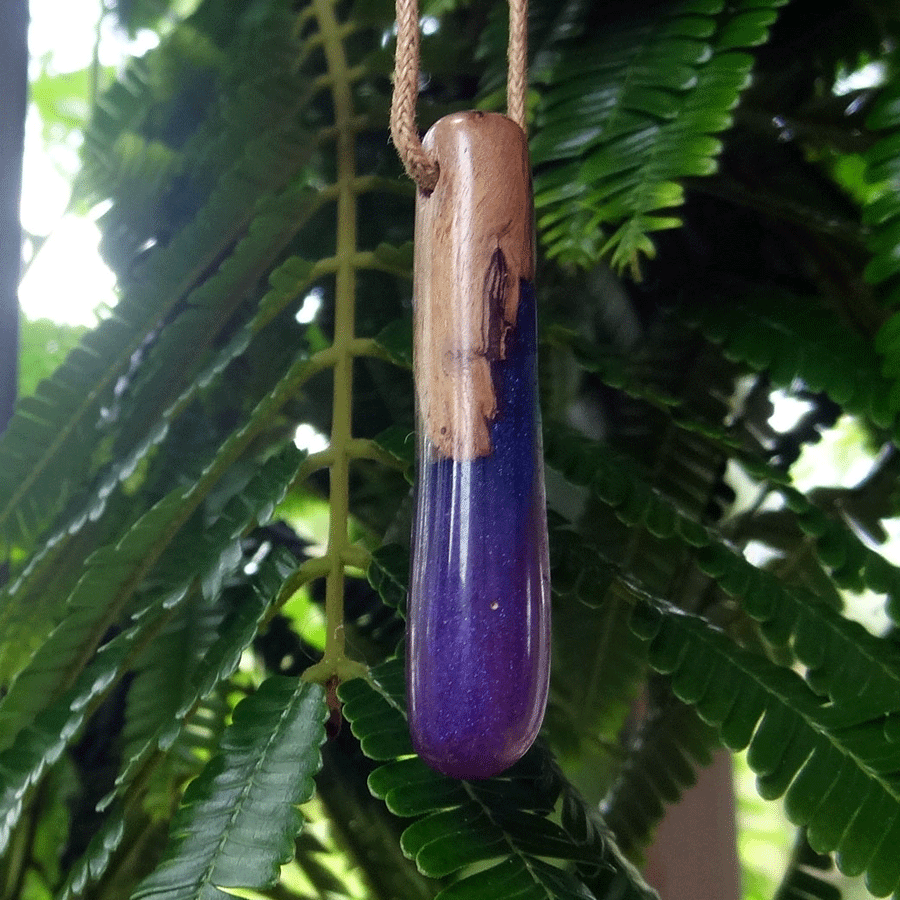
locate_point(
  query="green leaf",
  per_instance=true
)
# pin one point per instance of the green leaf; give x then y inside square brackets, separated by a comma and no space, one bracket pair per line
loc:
[462,823]
[155,720]
[798,746]
[239,817]
[793,339]
[62,99]
[97,857]
[638,109]
[670,746]
[847,663]
[115,573]
[43,740]
[389,574]
[396,342]
[45,458]
[535,880]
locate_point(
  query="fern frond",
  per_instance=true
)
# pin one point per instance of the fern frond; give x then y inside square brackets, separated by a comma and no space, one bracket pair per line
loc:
[158,688]
[239,817]
[834,776]
[791,338]
[365,828]
[501,821]
[41,741]
[155,781]
[47,450]
[532,880]
[42,730]
[265,148]
[610,874]
[119,110]
[140,169]
[883,167]
[184,345]
[833,648]
[28,609]
[630,115]
[389,574]
[115,573]
[208,70]
[850,562]
[97,858]
[844,556]
[151,729]
[133,816]
[598,667]
[249,149]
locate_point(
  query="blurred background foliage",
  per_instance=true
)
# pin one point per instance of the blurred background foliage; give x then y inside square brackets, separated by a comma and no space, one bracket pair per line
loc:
[214,460]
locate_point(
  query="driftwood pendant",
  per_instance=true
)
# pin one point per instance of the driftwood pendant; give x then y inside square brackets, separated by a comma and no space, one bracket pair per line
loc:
[478,654]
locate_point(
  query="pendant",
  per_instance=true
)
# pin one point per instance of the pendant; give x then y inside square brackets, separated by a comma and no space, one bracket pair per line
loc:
[478,645]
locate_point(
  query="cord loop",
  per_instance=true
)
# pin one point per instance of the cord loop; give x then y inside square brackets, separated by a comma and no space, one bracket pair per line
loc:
[418,164]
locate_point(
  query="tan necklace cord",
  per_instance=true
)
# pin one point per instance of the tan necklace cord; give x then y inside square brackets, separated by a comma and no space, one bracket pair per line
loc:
[517,55]
[419,166]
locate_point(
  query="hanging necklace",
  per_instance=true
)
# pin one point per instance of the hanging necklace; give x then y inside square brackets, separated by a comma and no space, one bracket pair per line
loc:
[478,635]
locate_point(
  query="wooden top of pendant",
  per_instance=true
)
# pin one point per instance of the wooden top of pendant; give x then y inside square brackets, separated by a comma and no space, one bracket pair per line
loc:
[474,243]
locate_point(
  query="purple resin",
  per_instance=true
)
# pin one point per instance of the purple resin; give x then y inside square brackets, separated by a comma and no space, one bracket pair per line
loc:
[478,654]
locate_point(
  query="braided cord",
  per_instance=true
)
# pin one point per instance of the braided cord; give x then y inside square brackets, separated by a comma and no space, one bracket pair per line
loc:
[419,166]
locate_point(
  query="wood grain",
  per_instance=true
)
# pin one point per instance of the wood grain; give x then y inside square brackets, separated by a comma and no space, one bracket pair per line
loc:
[474,244]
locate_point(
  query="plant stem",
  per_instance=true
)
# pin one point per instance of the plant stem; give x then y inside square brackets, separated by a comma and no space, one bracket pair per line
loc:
[344,325]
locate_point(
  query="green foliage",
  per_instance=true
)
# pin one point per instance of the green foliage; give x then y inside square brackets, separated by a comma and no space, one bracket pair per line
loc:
[43,345]
[501,821]
[785,336]
[836,772]
[239,817]
[631,114]
[162,716]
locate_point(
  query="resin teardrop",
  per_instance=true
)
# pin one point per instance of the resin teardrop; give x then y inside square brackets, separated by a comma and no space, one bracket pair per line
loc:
[478,654]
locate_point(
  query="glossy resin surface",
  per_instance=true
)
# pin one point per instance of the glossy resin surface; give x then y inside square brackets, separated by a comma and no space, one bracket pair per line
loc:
[478,619]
